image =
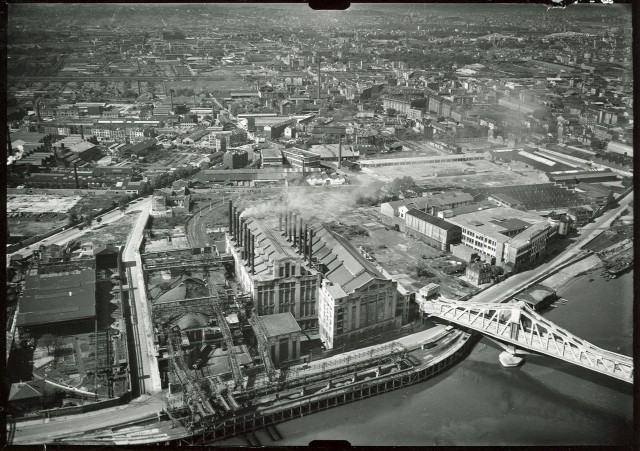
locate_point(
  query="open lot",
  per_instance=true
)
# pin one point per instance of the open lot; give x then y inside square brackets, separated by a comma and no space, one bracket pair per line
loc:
[40,203]
[228,80]
[401,255]
[478,174]
[115,233]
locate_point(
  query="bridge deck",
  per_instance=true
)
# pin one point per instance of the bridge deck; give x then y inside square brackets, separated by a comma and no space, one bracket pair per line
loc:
[518,325]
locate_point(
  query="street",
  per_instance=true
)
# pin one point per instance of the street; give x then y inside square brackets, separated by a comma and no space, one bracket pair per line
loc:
[75,233]
[39,431]
[513,284]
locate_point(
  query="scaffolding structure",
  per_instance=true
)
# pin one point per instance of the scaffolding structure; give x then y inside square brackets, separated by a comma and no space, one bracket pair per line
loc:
[216,294]
[263,348]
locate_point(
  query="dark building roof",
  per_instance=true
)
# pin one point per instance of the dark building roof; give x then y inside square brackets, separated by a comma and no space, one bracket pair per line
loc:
[57,297]
[438,222]
[21,391]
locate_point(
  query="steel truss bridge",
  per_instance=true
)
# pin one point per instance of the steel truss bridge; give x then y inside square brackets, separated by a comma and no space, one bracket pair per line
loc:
[516,327]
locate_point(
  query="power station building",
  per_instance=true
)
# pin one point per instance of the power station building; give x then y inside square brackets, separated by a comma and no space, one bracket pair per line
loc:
[273,266]
[314,274]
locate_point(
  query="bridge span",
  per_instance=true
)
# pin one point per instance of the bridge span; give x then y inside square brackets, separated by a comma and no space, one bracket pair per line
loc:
[520,330]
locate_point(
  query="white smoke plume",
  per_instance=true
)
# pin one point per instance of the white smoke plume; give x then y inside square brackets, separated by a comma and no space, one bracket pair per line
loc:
[16,156]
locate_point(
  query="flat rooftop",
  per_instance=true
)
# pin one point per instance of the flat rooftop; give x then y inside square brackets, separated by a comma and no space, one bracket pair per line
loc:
[493,222]
[57,297]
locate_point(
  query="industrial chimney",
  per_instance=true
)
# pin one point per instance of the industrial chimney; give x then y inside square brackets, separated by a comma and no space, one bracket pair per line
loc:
[75,174]
[280,222]
[340,153]
[286,225]
[319,78]
[294,229]
[253,254]
[230,217]
[81,131]
[300,238]
[310,251]
[235,223]
[171,95]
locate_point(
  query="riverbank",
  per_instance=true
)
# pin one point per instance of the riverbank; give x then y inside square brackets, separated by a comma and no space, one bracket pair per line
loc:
[564,276]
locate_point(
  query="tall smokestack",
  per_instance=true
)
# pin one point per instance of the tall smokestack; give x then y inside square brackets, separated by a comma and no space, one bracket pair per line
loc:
[310,251]
[75,174]
[81,131]
[305,241]
[294,229]
[235,224]
[340,152]
[318,78]
[242,232]
[171,95]
[253,254]
[139,88]
[286,225]
[280,222]
[300,240]
[230,217]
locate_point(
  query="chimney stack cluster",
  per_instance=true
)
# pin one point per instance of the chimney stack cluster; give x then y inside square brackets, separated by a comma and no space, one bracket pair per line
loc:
[297,232]
[240,232]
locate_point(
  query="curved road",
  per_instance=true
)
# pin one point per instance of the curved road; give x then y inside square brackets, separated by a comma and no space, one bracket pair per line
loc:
[197,225]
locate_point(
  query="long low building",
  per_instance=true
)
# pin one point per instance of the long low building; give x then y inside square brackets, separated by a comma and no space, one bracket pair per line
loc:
[434,231]
[374,163]
[58,297]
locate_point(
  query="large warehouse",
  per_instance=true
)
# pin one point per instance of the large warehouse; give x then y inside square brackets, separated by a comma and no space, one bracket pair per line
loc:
[64,299]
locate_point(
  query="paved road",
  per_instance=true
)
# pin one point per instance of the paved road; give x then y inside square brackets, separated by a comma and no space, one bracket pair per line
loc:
[38,432]
[141,310]
[75,233]
[510,286]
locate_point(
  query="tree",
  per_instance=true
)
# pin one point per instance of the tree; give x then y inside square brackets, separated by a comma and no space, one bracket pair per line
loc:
[72,217]
[48,341]
[391,112]
[99,219]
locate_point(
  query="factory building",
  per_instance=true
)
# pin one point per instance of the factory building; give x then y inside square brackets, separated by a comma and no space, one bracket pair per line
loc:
[504,236]
[315,275]
[434,231]
[274,267]
[299,158]
[58,298]
[355,301]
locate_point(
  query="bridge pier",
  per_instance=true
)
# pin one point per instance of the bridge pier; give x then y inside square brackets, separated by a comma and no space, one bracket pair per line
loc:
[508,357]
[509,360]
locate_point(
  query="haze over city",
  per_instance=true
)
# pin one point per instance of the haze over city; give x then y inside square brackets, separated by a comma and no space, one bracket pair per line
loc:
[264,225]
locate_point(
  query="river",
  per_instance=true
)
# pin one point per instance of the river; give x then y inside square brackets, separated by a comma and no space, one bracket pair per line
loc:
[478,402]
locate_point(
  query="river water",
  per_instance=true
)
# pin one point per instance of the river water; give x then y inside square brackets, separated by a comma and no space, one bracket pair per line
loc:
[478,402]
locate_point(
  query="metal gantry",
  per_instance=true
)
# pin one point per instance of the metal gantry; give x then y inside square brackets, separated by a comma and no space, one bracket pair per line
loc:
[516,324]
[226,333]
